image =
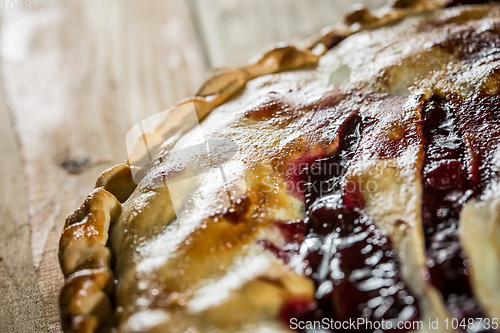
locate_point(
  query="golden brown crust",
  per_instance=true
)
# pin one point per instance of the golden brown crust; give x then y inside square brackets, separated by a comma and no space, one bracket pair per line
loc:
[85,261]
[85,302]
[117,181]
[84,257]
[223,83]
[361,18]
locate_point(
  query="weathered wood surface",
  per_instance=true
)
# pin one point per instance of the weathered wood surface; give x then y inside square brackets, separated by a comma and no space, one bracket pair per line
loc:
[235,31]
[20,306]
[75,80]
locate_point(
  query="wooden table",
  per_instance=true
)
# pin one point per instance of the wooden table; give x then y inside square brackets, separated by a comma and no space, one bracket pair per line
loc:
[75,80]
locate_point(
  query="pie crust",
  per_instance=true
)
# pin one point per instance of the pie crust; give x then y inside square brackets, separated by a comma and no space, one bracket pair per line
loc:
[389,82]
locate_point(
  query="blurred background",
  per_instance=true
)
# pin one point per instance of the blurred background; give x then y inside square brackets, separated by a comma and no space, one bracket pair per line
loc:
[76,75]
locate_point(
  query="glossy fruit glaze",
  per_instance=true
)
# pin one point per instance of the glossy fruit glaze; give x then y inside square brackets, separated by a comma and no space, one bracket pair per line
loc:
[457,166]
[446,187]
[353,264]
[342,249]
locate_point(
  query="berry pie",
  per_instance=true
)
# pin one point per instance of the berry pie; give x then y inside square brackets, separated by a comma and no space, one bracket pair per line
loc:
[351,185]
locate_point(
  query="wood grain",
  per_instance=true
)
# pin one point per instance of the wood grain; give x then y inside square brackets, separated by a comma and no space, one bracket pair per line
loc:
[76,80]
[235,31]
[20,306]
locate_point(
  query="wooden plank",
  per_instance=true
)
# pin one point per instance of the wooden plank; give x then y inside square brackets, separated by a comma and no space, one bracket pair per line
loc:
[76,80]
[236,31]
[20,306]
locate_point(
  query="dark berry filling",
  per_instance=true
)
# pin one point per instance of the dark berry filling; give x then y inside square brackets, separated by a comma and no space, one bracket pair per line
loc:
[446,188]
[323,176]
[354,267]
[479,119]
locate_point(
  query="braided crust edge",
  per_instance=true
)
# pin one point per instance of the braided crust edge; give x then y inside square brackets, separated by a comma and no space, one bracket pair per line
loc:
[86,297]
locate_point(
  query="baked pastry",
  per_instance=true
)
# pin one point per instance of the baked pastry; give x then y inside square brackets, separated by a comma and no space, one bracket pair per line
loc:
[364,188]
